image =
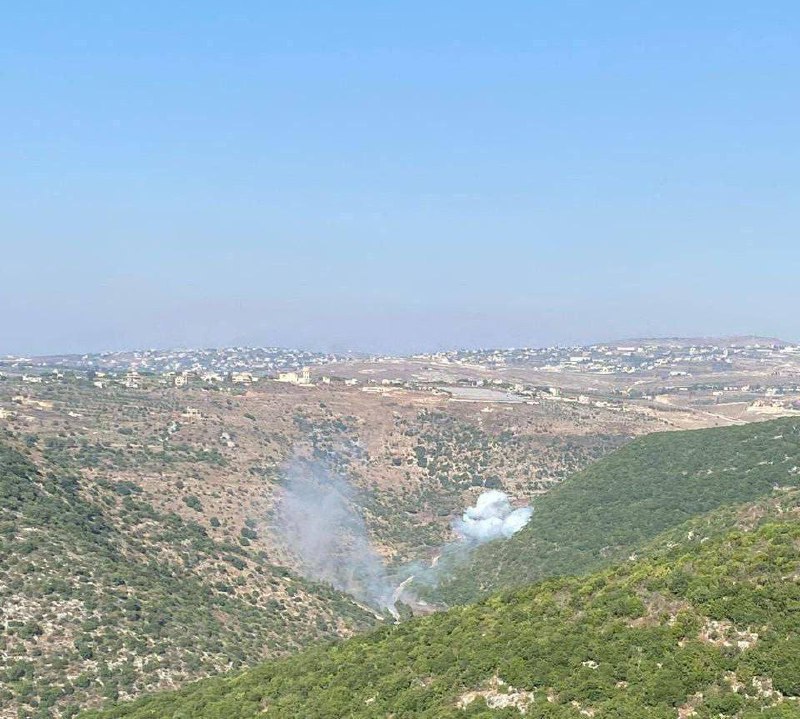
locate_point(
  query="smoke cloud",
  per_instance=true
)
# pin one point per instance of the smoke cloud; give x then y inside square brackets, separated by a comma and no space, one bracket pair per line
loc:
[492,517]
[317,521]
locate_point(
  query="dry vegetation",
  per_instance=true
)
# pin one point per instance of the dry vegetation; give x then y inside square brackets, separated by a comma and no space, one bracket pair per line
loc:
[415,451]
[138,547]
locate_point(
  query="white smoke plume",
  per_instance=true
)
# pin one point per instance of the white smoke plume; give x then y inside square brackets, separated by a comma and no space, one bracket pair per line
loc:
[316,519]
[492,517]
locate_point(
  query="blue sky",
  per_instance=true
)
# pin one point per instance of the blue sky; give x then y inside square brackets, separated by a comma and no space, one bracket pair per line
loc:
[396,176]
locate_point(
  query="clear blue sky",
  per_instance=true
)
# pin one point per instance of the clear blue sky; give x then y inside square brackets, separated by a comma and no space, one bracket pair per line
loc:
[397,175]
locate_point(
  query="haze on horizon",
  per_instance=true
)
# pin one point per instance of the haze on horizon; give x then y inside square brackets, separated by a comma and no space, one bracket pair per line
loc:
[397,177]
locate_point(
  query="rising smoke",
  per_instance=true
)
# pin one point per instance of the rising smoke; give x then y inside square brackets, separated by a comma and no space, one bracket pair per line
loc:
[318,523]
[492,517]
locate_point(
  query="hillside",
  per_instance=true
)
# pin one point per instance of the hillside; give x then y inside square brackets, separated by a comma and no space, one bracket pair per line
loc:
[705,627]
[137,549]
[216,455]
[137,554]
[103,597]
[609,510]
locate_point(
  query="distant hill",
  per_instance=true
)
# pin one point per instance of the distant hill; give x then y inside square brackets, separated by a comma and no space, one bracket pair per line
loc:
[609,510]
[103,597]
[703,627]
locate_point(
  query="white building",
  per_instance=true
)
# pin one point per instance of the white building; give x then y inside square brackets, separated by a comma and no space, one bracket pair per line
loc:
[243,378]
[301,378]
[132,380]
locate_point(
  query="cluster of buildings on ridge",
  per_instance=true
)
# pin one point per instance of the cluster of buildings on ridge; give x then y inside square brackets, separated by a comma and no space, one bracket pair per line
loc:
[222,362]
[715,368]
[628,358]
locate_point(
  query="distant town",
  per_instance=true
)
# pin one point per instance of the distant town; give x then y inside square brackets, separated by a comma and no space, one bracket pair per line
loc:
[746,374]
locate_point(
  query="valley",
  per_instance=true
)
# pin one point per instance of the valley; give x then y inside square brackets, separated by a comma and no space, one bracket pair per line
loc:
[143,518]
[704,624]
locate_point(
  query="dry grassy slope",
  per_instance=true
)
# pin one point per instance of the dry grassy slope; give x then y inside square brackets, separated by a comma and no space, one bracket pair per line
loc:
[414,452]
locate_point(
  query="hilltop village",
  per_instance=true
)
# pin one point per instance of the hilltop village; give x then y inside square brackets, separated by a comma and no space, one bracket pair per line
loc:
[733,380]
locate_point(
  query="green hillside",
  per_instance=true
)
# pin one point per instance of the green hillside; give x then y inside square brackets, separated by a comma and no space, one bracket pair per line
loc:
[606,512]
[102,597]
[706,627]
[105,598]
